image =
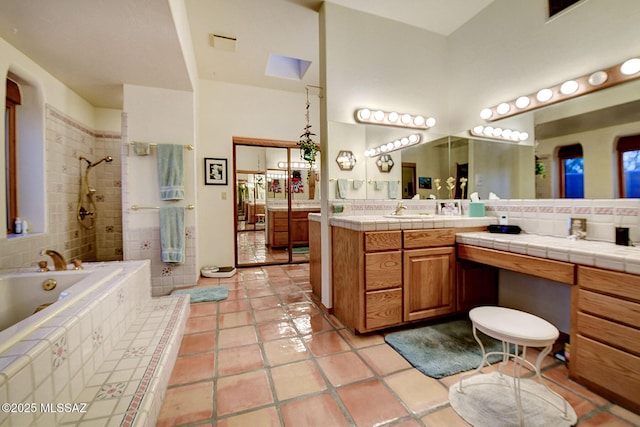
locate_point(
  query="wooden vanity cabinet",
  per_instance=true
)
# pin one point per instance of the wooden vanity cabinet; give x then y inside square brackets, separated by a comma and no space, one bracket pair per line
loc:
[605,338]
[429,283]
[278,227]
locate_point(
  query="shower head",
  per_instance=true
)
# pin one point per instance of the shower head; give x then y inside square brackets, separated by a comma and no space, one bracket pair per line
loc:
[107,159]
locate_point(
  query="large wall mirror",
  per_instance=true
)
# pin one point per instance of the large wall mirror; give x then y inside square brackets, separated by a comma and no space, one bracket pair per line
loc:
[594,121]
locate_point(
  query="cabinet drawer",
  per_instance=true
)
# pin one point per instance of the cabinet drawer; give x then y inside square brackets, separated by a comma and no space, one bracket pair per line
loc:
[383,308]
[382,240]
[611,282]
[609,368]
[383,270]
[300,214]
[611,308]
[280,224]
[614,334]
[426,238]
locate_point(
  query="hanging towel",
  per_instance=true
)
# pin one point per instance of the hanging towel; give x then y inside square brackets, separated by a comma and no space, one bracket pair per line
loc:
[172,233]
[393,189]
[341,189]
[141,148]
[171,171]
[379,185]
[357,183]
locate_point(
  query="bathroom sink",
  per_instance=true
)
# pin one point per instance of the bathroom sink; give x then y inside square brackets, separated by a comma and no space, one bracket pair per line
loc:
[409,216]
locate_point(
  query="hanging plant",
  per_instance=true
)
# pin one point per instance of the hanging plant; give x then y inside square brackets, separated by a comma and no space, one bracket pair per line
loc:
[308,147]
[540,169]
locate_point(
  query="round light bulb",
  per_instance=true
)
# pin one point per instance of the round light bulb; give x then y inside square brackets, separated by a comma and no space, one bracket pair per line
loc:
[431,122]
[406,119]
[364,114]
[486,113]
[597,78]
[405,141]
[630,66]
[384,148]
[497,132]
[488,131]
[544,95]
[569,87]
[506,133]
[397,143]
[515,135]
[523,102]
[524,136]
[393,117]
[503,108]
[414,138]
[478,129]
[378,115]
[418,120]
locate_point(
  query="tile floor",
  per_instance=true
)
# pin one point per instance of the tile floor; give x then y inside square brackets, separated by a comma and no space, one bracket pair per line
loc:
[253,249]
[267,356]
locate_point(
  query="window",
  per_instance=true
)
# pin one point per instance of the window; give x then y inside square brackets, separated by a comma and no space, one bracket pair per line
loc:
[629,166]
[13,99]
[571,171]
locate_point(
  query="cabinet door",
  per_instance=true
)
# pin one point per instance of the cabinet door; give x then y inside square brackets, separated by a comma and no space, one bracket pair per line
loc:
[477,284]
[429,283]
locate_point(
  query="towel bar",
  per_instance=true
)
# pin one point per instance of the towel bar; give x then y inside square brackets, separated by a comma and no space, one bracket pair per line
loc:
[136,207]
[152,144]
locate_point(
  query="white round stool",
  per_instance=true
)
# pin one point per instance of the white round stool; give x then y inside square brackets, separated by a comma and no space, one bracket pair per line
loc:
[519,330]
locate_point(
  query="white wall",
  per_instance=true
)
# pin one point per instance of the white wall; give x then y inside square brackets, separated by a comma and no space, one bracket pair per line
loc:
[226,111]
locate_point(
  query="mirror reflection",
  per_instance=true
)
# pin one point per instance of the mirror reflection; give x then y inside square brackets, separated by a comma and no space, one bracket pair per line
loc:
[274,193]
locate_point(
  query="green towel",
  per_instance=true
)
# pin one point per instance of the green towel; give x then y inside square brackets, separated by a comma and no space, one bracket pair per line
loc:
[341,189]
[171,171]
[172,234]
[204,294]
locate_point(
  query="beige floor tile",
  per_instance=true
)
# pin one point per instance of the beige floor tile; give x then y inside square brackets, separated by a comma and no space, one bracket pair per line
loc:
[370,403]
[239,359]
[445,417]
[344,368]
[236,337]
[383,359]
[320,410]
[287,350]
[297,379]
[326,343]
[186,404]
[418,391]
[233,320]
[237,393]
[266,417]
[189,369]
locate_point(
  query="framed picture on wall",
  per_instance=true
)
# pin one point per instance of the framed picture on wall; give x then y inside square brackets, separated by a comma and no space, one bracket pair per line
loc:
[424,182]
[449,207]
[215,171]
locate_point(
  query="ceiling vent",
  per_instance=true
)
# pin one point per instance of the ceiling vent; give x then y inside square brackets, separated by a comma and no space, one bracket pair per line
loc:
[221,42]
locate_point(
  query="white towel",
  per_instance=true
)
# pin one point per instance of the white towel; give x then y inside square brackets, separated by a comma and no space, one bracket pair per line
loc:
[393,189]
[379,185]
[341,189]
[357,183]
[141,148]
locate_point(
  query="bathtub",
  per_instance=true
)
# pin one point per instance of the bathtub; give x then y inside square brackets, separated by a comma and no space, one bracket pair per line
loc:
[21,293]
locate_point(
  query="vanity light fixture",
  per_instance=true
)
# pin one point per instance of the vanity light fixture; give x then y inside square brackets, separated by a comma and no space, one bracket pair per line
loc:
[296,165]
[399,143]
[393,118]
[499,133]
[572,88]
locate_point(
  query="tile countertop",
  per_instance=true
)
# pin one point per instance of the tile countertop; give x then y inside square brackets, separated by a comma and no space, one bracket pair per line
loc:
[584,252]
[381,223]
[294,208]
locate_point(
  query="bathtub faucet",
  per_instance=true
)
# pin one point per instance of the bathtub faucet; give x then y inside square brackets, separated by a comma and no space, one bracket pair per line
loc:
[58,260]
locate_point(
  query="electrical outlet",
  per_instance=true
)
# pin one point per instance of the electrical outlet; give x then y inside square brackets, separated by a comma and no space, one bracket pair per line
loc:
[503,218]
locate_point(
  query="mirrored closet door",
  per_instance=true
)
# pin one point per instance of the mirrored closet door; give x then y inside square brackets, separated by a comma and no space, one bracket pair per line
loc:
[274,193]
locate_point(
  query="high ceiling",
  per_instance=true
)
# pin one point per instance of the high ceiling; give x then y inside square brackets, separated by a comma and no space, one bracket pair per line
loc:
[96,46]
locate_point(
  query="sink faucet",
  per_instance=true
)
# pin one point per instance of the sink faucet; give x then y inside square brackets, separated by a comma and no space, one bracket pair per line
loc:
[400,208]
[58,260]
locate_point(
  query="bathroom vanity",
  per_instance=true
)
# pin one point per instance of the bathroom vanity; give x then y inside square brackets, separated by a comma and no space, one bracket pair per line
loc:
[278,225]
[391,277]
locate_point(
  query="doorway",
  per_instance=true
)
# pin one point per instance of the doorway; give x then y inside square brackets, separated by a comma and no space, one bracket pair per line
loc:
[274,193]
[408,180]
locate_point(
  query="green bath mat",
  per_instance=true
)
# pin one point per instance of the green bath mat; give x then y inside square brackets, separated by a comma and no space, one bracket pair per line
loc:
[301,250]
[216,293]
[443,349]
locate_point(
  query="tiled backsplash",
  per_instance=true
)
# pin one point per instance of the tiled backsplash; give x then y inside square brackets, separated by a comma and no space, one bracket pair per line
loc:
[549,217]
[65,141]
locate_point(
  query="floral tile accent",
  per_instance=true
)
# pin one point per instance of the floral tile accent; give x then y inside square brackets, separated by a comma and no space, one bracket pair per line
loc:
[188,234]
[108,391]
[98,337]
[109,228]
[100,198]
[135,351]
[145,245]
[76,234]
[167,271]
[117,183]
[60,351]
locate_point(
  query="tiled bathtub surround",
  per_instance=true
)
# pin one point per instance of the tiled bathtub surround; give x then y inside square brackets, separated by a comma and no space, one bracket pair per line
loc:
[97,351]
[65,141]
[547,217]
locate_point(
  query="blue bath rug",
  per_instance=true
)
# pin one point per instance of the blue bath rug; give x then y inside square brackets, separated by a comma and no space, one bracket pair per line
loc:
[216,293]
[443,349]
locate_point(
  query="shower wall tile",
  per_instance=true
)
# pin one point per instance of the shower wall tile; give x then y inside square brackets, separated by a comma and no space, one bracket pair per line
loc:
[65,141]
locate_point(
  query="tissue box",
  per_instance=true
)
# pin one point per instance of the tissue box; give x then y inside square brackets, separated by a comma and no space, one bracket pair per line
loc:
[476,209]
